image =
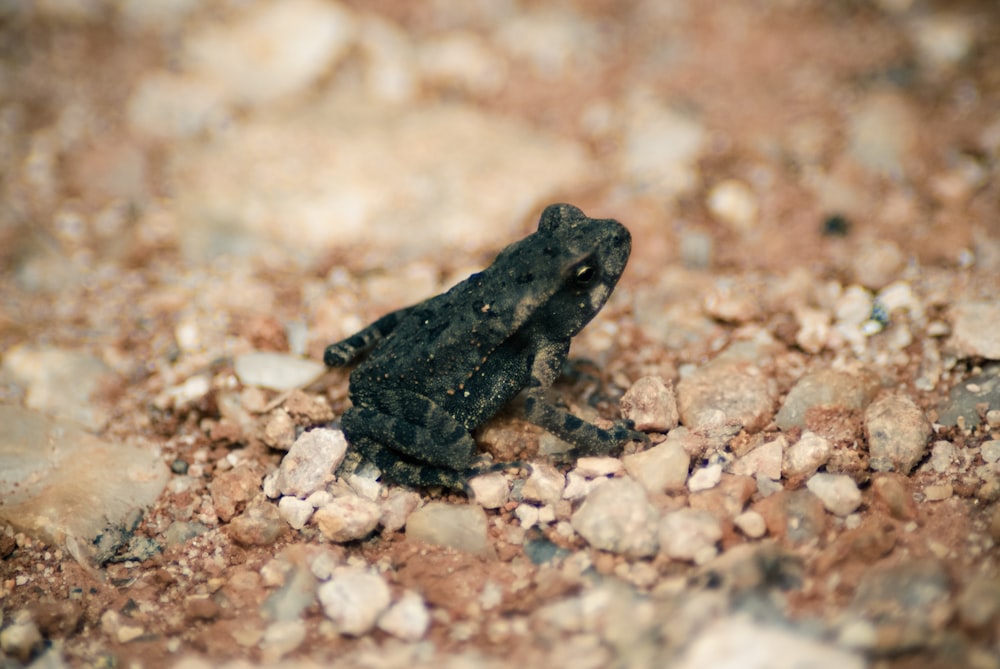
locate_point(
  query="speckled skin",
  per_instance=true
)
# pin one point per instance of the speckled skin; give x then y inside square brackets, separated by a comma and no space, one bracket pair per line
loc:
[438,369]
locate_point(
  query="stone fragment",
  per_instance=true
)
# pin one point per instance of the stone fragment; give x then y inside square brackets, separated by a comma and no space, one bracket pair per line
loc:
[71,488]
[295,511]
[594,467]
[347,518]
[705,478]
[735,204]
[765,460]
[796,514]
[942,456]
[281,638]
[234,488]
[396,509]
[458,526]
[740,391]
[20,639]
[967,396]
[751,524]
[311,461]
[806,455]
[407,619]
[690,534]
[975,329]
[489,491]
[545,484]
[259,525]
[651,404]
[354,599]
[897,432]
[276,371]
[663,468]
[740,641]
[839,493]
[938,492]
[279,430]
[829,389]
[617,517]
[979,602]
[893,490]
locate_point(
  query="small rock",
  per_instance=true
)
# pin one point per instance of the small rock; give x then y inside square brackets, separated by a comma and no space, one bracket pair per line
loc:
[347,518]
[735,204]
[738,391]
[765,460]
[990,450]
[20,639]
[595,467]
[829,389]
[279,430]
[796,514]
[651,404]
[975,329]
[396,508]
[234,488]
[545,484]
[281,638]
[740,641]
[942,456]
[259,525]
[663,468]
[893,490]
[806,455]
[968,395]
[354,599]
[295,511]
[462,527]
[661,149]
[938,492]
[705,478]
[814,329]
[407,619]
[311,461]
[690,534]
[527,515]
[839,493]
[751,524]
[276,371]
[617,517]
[490,491]
[897,433]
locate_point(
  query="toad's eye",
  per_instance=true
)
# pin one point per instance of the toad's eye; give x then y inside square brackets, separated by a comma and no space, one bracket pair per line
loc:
[584,275]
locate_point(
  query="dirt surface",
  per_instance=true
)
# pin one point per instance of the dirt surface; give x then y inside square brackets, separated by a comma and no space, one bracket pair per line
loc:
[835,145]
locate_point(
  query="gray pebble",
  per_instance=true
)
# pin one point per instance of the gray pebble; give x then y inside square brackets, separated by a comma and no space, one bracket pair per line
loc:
[897,433]
[354,599]
[462,527]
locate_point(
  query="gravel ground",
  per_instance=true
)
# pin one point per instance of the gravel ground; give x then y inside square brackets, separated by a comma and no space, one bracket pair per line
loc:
[196,200]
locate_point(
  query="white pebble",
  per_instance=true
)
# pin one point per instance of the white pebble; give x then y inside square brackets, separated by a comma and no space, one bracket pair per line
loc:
[347,518]
[407,619]
[705,478]
[690,534]
[310,462]
[735,204]
[354,599]
[838,493]
[807,455]
[617,517]
[489,491]
[294,511]
[458,526]
[651,404]
[751,524]
[545,484]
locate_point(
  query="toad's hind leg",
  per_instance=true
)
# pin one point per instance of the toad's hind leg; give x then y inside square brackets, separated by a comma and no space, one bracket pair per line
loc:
[412,440]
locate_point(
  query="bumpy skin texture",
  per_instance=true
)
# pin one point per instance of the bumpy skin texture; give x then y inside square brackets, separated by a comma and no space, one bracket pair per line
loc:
[436,370]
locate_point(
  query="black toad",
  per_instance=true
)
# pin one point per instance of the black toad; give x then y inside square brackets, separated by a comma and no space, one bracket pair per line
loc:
[436,370]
